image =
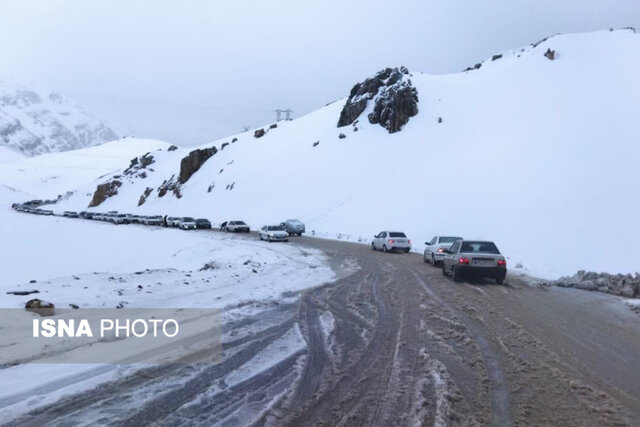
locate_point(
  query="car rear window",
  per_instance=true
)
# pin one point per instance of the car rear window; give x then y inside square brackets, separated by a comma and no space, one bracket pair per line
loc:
[396,234]
[449,239]
[480,247]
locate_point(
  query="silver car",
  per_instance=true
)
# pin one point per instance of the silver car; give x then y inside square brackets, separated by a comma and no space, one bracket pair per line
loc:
[236,227]
[390,241]
[293,227]
[475,259]
[173,221]
[274,233]
[188,223]
[434,251]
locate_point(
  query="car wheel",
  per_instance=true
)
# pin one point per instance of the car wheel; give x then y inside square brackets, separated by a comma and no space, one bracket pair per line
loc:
[456,275]
[373,247]
[384,248]
[424,258]
[499,281]
[444,270]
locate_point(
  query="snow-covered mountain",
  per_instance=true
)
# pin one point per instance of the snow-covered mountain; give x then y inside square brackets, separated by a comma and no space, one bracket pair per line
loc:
[535,148]
[34,123]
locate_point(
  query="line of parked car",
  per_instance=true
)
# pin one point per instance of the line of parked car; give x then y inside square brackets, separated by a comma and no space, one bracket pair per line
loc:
[460,258]
[271,233]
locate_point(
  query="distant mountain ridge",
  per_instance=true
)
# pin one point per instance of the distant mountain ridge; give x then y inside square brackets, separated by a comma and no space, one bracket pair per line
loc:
[34,123]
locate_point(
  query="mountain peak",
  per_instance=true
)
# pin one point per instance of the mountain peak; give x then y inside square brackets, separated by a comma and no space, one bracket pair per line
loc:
[34,123]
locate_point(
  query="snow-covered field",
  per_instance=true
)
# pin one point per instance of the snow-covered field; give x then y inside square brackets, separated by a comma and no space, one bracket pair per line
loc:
[537,155]
[97,265]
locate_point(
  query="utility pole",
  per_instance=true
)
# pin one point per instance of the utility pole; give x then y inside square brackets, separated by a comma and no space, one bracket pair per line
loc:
[279,113]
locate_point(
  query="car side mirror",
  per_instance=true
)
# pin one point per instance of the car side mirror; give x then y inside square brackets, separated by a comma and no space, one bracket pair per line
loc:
[426,243]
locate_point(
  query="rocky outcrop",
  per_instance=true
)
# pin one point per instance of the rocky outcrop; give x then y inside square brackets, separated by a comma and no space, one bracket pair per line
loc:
[259,133]
[137,166]
[104,191]
[625,285]
[43,308]
[145,194]
[550,54]
[170,185]
[394,106]
[395,100]
[190,164]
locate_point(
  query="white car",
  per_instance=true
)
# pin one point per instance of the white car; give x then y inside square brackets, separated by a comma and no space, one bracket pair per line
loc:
[435,249]
[274,233]
[173,221]
[389,241]
[237,227]
[188,223]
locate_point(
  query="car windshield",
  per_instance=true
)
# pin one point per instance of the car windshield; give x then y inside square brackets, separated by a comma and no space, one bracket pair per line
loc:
[479,247]
[202,220]
[239,223]
[188,219]
[294,221]
[274,228]
[449,239]
[396,234]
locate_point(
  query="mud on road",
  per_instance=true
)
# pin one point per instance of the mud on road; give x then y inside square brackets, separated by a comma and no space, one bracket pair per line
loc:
[406,346]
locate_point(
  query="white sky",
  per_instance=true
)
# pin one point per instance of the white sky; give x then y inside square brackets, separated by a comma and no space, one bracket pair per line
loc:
[191,71]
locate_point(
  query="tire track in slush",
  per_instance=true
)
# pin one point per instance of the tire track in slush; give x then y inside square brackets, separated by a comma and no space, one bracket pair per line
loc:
[500,399]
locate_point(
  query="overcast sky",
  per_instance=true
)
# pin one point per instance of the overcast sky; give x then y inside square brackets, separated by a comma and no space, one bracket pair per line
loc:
[191,71]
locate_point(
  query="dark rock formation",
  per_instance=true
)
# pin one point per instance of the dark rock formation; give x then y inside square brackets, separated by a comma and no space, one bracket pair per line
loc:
[224,144]
[394,106]
[259,133]
[137,166]
[143,197]
[190,164]
[23,293]
[342,136]
[550,54]
[396,100]
[273,126]
[234,139]
[40,307]
[172,148]
[315,144]
[104,191]
[496,57]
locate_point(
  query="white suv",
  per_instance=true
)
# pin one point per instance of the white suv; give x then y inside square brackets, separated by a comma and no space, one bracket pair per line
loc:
[388,241]
[435,249]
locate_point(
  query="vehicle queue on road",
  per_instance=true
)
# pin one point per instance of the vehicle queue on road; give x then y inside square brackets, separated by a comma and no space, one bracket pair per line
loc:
[459,258]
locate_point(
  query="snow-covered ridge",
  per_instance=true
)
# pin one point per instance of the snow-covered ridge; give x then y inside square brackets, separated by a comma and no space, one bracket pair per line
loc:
[535,153]
[35,123]
[53,174]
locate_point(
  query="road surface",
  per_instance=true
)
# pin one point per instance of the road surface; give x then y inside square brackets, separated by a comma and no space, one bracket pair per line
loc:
[408,347]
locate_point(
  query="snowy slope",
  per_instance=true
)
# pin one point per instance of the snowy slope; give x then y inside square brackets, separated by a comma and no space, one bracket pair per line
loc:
[35,123]
[52,174]
[8,155]
[538,155]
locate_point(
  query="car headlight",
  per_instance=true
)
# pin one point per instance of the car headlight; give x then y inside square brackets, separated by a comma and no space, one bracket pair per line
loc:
[270,234]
